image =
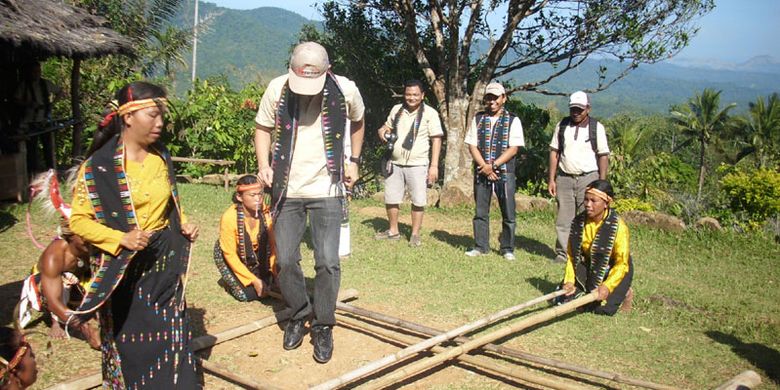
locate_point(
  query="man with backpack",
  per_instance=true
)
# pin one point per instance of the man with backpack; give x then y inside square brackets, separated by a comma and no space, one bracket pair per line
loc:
[579,154]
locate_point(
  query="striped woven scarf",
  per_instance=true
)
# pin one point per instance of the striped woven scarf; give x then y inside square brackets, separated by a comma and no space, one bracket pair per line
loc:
[493,141]
[334,119]
[600,249]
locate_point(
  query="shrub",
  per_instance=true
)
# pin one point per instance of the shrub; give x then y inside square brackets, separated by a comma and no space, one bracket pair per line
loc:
[752,196]
[628,204]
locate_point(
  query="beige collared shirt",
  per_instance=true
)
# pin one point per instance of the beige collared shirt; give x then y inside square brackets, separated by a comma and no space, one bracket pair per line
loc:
[430,126]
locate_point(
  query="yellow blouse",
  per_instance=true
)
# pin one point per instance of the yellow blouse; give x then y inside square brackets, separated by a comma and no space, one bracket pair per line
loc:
[228,242]
[150,192]
[619,256]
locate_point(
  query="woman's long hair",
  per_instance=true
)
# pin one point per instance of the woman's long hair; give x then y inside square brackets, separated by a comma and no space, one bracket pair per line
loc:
[134,91]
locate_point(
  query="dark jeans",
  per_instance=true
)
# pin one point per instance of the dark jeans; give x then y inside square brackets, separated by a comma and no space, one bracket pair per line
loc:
[325,221]
[505,193]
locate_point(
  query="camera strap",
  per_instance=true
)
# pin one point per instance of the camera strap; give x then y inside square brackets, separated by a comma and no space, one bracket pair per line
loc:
[412,134]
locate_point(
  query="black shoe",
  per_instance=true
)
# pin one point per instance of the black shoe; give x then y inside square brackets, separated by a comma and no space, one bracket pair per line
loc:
[293,334]
[322,338]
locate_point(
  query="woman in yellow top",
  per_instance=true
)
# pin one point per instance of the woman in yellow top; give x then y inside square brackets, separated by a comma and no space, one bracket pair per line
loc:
[598,253]
[125,204]
[244,253]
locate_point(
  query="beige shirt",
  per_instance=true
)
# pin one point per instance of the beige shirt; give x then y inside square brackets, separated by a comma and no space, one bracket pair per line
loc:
[578,158]
[309,176]
[430,126]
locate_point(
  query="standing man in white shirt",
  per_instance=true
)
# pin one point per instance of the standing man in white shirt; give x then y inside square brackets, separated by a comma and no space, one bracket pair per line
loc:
[579,154]
[493,140]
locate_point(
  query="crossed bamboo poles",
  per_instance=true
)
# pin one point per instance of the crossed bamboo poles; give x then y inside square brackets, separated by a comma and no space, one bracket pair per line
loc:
[746,379]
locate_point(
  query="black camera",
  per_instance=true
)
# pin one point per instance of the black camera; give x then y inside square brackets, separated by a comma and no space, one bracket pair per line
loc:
[391,138]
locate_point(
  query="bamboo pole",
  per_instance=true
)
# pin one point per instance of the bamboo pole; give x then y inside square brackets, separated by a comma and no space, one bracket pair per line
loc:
[408,371]
[411,350]
[425,330]
[745,380]
[224,373]
[198,343]
[515,373]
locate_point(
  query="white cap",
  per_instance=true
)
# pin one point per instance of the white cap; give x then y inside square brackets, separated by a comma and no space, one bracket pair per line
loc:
[495,89]
[308,67]
[579,99]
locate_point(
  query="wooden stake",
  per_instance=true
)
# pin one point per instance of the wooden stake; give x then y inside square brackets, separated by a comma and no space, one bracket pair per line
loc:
[515,373]
[425,330]
[198,343]
[411,350]
[224,373]
[745,380]
[410,370]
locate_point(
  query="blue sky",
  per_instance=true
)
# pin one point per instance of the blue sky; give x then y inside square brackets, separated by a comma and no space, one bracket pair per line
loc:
[735,31]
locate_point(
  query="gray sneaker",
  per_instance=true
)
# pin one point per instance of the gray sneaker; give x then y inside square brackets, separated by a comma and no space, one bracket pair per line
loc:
[386,235]
[414,241]
[509,256]
[474,253]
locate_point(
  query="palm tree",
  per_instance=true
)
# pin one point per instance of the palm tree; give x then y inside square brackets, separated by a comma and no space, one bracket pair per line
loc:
[702,118]
[761,131]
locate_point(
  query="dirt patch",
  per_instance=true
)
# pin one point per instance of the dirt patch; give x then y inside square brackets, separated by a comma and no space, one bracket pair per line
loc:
[260,356]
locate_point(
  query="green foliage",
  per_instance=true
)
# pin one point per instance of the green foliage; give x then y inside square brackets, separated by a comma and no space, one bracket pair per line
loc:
[753,196]
[758,133]
[215,122]
[532,159]
[628,204]
[703,119]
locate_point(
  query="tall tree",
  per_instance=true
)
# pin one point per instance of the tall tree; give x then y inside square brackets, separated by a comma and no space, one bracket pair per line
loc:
[702,119]
[458,51]
[760,132]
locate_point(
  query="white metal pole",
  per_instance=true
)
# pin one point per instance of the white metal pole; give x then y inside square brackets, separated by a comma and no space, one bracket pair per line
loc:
[195,44]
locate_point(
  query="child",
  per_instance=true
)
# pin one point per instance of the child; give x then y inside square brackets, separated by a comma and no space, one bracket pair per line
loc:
[244,253]
[18,369]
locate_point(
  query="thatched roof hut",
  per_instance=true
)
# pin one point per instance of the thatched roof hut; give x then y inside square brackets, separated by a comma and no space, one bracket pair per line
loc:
[37,29]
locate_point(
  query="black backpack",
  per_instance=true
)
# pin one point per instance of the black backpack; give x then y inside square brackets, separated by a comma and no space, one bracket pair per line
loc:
[592,126]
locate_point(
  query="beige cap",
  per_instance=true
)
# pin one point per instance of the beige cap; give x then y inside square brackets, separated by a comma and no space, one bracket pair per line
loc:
[579,99]
[495,89]
[309,65]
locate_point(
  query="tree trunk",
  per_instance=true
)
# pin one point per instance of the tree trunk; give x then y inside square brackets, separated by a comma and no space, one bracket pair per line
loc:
[75,104]
[701,169]
[457,162]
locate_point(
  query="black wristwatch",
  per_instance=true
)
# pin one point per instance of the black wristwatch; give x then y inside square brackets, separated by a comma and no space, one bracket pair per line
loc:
[495,168]
[356,160]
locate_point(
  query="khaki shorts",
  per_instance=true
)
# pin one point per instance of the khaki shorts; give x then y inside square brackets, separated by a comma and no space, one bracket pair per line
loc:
[412,177]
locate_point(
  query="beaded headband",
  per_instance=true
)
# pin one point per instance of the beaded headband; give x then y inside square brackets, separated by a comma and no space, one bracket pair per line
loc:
[132,106]
[600,194]
[9,366]
[247,187]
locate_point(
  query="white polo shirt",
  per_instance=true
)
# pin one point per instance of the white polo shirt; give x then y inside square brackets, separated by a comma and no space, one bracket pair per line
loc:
[578,158]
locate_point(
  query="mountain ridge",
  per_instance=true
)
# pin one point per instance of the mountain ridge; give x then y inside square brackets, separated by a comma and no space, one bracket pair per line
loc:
[253,46]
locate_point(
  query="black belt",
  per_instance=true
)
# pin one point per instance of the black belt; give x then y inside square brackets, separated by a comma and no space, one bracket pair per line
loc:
[562,173]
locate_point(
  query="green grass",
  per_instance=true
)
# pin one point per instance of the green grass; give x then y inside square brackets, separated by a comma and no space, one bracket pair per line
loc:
[705,309]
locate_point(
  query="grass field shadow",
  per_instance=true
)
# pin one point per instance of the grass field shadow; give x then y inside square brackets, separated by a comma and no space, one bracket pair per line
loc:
[9,297]
[455,240]
[759,355]
[380,225]
[534,247]
[7,219]
[543,285]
